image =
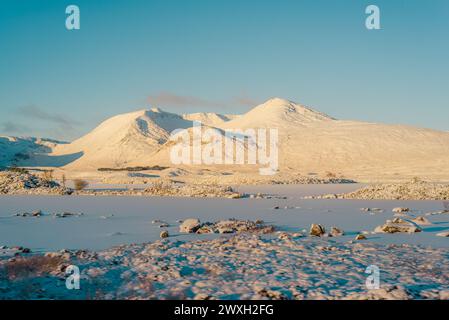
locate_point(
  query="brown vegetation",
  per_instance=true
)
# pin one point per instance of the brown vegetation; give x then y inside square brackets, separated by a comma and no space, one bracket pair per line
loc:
[80,184]
[25,267]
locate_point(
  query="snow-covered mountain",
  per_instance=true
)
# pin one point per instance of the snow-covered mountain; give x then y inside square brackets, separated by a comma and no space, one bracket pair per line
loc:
[309,141]
[24,150]
[124,138]
[132,138]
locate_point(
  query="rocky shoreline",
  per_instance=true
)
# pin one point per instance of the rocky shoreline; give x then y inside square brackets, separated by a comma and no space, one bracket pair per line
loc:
[169,189]
[23,183]
[412,190]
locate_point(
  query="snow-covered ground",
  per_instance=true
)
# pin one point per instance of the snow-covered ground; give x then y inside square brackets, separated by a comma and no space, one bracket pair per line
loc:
[108,221]
[116,245]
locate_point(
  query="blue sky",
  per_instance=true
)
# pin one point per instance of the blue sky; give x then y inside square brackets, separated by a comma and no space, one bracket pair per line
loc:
[222,56]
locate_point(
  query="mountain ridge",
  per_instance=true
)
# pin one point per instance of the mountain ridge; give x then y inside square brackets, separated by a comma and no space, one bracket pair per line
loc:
[309,141]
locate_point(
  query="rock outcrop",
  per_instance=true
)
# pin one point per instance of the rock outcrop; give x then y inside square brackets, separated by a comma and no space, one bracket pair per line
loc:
[412,190]
[224,226]
[398,225]
[189,226]
[27,183]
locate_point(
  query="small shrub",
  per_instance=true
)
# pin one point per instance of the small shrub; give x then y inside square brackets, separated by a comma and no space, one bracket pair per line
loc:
[330,174]
[80,184]
[416,180]
[48,175]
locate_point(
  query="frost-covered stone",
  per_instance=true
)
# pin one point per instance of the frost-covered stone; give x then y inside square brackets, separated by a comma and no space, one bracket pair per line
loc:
[164,234]
[400,210]
[336,232]
[398,225]
[360,237]
[317,230]
[189,225]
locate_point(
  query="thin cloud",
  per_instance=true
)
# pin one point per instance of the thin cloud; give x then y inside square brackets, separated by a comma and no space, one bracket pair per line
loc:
[169,99]
[174,100]
[42,123]
[36,113]
[246,101]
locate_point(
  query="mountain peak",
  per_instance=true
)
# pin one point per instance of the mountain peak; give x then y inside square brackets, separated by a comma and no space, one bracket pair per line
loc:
[280,104]
[156,110]
[278,113]
[278,101]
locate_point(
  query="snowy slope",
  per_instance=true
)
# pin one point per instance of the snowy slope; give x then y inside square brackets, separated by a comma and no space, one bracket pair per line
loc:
[210,118]
[24,150]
